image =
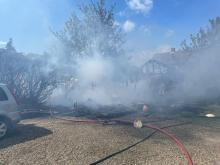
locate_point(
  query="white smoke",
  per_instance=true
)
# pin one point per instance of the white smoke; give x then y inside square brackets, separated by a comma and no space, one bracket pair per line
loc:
[102,81]
[202,76]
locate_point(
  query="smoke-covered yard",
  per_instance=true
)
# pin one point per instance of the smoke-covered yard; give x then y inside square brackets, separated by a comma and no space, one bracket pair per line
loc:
[88,61]
[94,78]
[53,141]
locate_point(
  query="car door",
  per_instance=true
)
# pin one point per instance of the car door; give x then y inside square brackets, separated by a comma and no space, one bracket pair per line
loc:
[6,103]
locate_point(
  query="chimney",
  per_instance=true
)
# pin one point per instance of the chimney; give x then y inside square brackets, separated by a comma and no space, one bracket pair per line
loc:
[173,50]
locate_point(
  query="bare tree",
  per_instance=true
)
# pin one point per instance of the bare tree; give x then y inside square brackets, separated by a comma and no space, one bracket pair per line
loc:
[95,29]
[25,77]
[205,37]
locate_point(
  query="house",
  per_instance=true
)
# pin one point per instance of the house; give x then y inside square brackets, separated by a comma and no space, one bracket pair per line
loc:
[164,70]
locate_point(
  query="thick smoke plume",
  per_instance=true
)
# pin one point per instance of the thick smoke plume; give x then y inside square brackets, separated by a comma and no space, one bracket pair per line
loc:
[87,63]
[102,81]
[201,76]
[97,70]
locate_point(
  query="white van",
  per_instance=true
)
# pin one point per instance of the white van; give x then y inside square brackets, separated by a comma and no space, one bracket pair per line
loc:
[9,114]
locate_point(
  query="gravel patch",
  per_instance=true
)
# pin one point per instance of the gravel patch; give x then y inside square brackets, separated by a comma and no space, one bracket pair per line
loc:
[53,141]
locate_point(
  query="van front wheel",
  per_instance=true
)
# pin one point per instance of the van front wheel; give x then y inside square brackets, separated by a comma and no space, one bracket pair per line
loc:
[3,128]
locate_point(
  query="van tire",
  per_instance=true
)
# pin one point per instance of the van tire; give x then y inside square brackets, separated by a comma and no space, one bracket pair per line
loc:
[5,127]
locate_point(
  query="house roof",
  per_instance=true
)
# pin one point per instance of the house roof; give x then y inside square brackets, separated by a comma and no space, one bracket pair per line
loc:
[172,58]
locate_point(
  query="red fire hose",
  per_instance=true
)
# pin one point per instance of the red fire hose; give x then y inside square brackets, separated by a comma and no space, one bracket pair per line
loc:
[180,145]
[182,148]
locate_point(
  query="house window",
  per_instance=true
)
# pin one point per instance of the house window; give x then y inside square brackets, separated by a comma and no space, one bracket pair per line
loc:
[155,67]
[3,96]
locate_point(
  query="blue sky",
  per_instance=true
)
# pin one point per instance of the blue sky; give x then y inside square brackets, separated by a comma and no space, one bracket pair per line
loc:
[149,24]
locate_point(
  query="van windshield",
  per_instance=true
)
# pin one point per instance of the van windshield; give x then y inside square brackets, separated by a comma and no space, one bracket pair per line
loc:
[3,95]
